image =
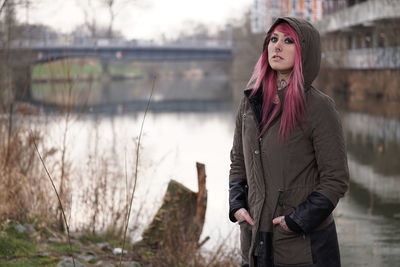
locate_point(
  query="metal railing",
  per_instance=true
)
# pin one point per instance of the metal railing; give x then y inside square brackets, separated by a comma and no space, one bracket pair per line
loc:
[366,58]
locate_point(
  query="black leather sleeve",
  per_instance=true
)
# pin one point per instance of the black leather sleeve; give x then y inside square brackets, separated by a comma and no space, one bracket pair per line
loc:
[310,213]
[237,196]
[292,225]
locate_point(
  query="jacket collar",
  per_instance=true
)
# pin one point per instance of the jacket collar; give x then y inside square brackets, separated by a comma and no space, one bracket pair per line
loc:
[281,93]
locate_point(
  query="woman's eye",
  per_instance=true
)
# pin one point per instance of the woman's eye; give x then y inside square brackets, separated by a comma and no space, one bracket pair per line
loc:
[289,41]
[274,39]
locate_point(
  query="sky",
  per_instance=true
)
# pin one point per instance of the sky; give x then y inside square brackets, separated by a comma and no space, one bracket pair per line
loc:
[147,19]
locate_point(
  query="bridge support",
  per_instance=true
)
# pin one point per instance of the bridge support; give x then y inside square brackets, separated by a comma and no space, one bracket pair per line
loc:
[105,67]
[21,82]
[105,78]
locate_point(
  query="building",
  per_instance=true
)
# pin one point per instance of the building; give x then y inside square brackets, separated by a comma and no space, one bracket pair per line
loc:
[360,40]
[264,12]
[258,16]
[364,33]
[361,44]
[332,6]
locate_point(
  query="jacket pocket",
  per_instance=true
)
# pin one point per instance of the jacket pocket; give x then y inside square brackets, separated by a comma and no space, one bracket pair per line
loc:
[290,248]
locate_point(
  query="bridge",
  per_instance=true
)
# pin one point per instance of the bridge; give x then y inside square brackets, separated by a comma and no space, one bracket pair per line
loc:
[22,57]
[46,53]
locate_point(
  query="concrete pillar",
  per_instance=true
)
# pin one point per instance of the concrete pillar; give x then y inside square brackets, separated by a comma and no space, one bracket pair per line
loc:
[105,67]
[354,41]
[375,38]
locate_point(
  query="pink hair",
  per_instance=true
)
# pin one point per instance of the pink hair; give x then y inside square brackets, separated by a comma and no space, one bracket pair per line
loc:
[293,105]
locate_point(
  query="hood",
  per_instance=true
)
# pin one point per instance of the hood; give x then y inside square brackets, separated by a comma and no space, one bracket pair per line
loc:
[310,46]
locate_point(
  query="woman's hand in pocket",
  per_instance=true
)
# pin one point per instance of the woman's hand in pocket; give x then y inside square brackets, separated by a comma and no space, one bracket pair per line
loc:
[243,215]
[281,221]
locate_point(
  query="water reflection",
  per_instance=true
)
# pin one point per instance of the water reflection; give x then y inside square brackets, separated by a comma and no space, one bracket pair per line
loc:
[368,218]
[114,92]
[373,145]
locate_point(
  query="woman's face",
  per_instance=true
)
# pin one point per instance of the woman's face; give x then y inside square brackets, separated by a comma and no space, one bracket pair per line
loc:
[281,50]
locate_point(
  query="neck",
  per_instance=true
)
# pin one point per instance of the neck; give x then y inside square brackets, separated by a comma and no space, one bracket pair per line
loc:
[282,79]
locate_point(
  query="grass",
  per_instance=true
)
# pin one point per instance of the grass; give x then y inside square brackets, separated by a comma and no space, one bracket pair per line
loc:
[20,249]
[123,69]
[63,69]
[62,249]
[108,237]
[29,262]
[14,244]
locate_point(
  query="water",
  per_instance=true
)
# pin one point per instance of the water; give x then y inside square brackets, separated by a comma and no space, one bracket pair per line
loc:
[171,145]
[367,218]
[173,140]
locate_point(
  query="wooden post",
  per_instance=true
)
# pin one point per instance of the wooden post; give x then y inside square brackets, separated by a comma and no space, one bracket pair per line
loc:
[201,200]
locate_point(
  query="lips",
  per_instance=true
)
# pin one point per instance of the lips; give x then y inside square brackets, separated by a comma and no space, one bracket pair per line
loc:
[277,57]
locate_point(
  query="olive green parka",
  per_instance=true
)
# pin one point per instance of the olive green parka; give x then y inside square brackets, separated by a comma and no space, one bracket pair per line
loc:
[301,178]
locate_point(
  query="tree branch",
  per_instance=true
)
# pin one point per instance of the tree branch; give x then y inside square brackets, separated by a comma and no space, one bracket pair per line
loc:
[3,5]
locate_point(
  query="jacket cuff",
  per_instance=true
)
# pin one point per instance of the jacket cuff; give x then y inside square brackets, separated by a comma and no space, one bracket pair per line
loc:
[237,196]
[312,212]
[292,225]
[232,213]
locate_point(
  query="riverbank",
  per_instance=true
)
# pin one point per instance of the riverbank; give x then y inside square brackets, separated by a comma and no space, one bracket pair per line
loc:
[36,244]
[93,195]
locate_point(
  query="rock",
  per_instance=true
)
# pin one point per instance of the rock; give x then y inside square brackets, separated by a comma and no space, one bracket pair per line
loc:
[43,254]
[88,256]
[76,243]
[25,228]
[30,229]
[67,262]
[55,240]
[104,246]
[105,264]
[118,251]
[130,264]
[20,228]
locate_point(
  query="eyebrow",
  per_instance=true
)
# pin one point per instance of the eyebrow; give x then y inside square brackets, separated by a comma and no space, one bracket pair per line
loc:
[285,35]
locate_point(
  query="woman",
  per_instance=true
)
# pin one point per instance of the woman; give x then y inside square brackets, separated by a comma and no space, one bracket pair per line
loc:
[288,160]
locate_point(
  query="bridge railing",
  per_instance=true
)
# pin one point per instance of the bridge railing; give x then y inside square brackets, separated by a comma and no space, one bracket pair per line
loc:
[366,58]
[364,13]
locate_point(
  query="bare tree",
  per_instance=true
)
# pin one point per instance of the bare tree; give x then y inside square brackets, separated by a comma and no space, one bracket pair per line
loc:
[90,20]
[113,8]
[110,4]
[3,5]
